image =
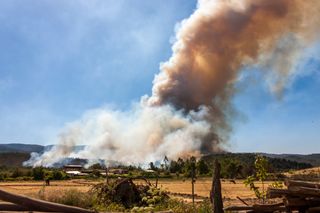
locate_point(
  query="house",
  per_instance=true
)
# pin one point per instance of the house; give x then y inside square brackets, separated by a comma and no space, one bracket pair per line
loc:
[73,168]
[118,171]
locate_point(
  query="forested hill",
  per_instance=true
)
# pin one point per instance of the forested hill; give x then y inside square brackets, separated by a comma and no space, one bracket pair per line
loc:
[21,152]
[245,161]
[28,148]
[313,159]
[21,148]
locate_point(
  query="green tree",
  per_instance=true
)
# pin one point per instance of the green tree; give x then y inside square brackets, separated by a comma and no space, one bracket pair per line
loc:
[2,177]
[96,166]
[166,162]
[58,175]
[189,166]
[202,167]
[16,173]
[96,173]
[38,173]
[152,166]
[233,168]
[261,174]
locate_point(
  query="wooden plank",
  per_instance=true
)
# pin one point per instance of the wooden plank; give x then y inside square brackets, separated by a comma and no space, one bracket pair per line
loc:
[302,183]
[295,202]
[304,191]
[238,208]
[275,193]
[314,209]
[41,205]
[293,191]
[12,207]
[258,208]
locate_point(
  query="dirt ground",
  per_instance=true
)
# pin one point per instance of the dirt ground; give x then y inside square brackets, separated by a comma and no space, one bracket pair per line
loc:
[230,190]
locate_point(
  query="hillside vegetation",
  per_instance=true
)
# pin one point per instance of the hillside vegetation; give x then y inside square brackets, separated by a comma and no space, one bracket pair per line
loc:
[14,159]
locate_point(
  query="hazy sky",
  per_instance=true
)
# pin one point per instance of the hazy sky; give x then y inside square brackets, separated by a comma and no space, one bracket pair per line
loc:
[59,59]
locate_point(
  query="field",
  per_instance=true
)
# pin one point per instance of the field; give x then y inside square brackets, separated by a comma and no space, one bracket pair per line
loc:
[230,190]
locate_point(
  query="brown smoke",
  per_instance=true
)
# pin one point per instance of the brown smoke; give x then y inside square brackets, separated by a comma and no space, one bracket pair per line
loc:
[190,109]
[219,39]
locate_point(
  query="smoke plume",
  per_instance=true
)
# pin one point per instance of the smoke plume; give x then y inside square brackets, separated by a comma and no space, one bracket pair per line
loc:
[190,110]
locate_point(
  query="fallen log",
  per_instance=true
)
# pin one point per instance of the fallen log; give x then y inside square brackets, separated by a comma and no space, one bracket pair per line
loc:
[238,208]
[39,205]
[290,183]
[295,202]
[268,207]
[313,199]
[304,191]
[314,209]
[275,193]
[293,191]
[12,207]
[258,208]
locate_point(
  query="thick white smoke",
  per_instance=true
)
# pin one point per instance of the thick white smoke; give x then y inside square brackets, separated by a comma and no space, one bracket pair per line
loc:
[143,134]
[190,109]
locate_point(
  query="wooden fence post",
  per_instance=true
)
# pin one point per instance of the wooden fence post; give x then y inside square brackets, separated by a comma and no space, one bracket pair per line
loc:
[107,176]
[192,183]
[215,194]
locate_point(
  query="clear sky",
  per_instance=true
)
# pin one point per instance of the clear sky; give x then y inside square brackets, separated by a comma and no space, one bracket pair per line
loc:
[59,59]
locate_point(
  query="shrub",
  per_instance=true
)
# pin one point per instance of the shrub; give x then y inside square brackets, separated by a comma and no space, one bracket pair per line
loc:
[179,206]
[38,173]
[2,177]
[72,197]
[16,173]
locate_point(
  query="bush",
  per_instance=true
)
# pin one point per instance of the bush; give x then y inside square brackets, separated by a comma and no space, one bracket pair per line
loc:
[23,178]
[96,173]
[179,206]
[16,173]
[38,173]
[2,177]
[58,175]
[72,197]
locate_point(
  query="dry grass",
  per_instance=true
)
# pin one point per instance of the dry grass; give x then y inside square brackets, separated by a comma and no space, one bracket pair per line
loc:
[37,189]
[203,186]
[304,171]
[311,174]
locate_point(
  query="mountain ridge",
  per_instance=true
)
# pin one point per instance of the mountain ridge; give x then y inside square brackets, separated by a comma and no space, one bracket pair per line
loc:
[20,148]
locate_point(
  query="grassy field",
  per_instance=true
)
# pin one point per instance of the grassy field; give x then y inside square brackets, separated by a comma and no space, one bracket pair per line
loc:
[202,188]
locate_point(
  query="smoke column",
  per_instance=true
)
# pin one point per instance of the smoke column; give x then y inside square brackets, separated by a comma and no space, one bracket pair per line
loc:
[190,109]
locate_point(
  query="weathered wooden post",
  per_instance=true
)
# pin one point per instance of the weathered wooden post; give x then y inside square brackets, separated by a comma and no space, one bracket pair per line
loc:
[157,178]
[215,193]
[192,183]
[107,176]
[193,176]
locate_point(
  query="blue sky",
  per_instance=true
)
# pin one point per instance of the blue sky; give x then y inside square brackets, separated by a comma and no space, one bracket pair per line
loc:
[61,58]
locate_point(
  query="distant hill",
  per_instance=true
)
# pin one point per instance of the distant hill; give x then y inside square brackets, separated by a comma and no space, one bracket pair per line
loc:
[313,159]
[14,154]
[18,153]
[28,148]
[20,148]
[13,159]
[246,160]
